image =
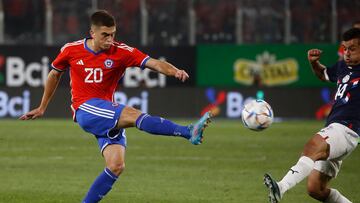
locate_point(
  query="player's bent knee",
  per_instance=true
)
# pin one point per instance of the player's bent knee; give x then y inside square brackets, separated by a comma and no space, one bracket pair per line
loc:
[128,117]
[312,190]
[315,191]
[116,168]
[316,148]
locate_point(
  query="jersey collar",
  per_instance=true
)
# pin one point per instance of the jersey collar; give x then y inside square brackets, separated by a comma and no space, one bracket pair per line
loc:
[356,67]
[90,50]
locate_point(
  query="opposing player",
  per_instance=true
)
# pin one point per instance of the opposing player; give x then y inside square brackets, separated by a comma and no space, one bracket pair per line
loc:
[96,65]
[323,153]
[340,52]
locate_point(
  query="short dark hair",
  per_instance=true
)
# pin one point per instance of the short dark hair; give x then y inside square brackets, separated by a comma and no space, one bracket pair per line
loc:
[102,18]
[352,33]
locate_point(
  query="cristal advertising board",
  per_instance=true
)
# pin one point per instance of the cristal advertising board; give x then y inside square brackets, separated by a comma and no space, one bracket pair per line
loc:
[260,65]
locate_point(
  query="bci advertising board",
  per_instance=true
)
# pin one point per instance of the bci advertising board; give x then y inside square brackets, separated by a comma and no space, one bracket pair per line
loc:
[180,102]
[28,66]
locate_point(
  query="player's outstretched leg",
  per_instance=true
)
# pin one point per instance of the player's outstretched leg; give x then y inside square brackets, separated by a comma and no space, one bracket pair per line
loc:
[274,191]
[197,129]
[160,126]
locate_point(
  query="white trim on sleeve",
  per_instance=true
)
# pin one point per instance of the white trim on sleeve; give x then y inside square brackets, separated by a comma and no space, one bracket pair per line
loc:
[326,75]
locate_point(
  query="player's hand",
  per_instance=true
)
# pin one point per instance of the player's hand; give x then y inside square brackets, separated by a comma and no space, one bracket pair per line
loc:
[33,114]
[181,75]
[314,55]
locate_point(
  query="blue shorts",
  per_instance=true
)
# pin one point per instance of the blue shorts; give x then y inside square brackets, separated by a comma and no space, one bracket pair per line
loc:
[99,117]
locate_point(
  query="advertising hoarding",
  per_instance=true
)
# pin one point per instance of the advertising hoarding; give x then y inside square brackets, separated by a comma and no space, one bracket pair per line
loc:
[28,66]
[260,65]
[304,103]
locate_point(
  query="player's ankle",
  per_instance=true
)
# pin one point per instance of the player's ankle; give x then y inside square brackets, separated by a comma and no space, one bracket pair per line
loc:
[282,188]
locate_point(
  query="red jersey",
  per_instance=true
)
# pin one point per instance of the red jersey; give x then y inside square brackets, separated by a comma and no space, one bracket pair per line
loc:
[96,75]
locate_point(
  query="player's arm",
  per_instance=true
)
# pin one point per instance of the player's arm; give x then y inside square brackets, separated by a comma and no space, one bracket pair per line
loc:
[166,69]
[318,68]
[50,86]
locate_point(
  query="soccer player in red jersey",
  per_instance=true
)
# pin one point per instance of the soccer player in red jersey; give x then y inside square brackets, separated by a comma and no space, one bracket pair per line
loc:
[96,65]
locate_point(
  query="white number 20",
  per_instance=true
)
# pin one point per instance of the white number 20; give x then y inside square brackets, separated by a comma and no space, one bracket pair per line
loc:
[95,75]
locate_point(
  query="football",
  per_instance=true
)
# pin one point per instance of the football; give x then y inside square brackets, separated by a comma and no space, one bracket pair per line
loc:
[257,115]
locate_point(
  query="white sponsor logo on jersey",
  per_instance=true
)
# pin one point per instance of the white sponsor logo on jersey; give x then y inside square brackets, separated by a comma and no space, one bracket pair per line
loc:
[346,78]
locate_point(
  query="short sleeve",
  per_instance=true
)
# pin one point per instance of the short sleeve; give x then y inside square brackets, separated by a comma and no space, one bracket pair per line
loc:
[134,57]
[140,58]
[331,72]
[61,62]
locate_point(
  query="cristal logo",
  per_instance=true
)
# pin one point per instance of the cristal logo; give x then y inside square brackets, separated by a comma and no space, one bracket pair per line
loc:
[266,70]
[215,101]
[2,62]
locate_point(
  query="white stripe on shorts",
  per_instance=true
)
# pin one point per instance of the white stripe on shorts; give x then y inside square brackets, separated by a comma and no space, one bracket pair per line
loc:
[94,113]
[100,109]
[97,111]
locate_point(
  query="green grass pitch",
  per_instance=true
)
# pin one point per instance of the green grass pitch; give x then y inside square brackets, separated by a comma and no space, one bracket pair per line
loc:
[55,161]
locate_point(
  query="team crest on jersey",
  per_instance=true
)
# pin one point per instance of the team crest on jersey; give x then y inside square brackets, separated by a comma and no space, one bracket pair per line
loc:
[346,78]
[108,63]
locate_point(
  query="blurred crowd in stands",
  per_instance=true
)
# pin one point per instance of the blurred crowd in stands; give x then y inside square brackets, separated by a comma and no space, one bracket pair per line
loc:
[168,20]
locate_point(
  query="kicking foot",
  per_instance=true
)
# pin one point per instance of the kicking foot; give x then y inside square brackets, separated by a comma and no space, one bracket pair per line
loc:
[274,192]
[197,129]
